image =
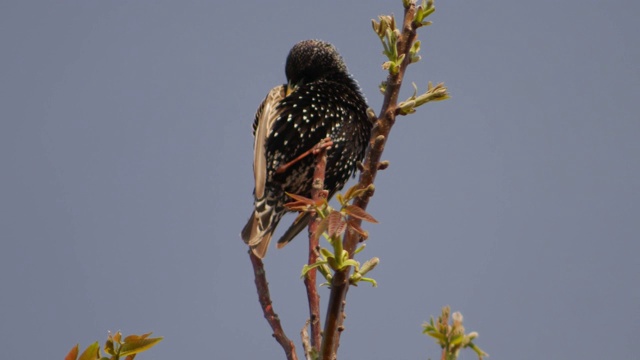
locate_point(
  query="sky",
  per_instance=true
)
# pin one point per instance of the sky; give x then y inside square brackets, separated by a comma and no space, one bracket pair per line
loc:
[126,177]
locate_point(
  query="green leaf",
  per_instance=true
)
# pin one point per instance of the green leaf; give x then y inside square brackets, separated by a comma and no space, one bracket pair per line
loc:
[355,191]
[457,339]
[306,268]
[92,352]
[134,337]
[359,249]
[139,345]
[478,351]
[349,262]
[344,255]
[440,337]
[370,280]
[326,253]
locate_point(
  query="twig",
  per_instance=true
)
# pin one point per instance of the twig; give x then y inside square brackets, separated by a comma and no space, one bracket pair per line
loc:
[265,302]
[306,343]
[379,135]
[317,193]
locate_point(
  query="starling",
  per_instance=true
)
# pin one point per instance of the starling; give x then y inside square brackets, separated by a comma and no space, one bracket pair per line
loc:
[320,100]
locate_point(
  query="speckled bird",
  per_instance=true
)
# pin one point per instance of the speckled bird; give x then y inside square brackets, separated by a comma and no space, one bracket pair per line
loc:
[320,100]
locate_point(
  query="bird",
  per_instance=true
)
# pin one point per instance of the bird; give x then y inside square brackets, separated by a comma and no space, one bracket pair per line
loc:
[320,99]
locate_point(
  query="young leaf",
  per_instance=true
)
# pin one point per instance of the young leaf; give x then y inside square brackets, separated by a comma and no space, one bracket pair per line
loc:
[354,192]
[138,346]
[336,223]
[134,337]
[322,227]
[358,213]
[306,268]
[355,227]
[108,346]
[92,352]
[349,262]
[326,253]
[73,353]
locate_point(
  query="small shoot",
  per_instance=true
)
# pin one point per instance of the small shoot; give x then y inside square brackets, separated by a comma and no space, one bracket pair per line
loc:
[389,35]
[433,93]
[422,12]
[451,337]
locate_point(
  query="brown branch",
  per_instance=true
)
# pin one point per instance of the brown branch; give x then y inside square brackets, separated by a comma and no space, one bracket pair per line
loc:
[265,302]
[312,289]
[371,164]
[317,193]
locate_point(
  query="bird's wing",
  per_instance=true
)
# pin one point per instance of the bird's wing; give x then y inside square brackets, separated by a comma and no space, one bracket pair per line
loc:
[266,115]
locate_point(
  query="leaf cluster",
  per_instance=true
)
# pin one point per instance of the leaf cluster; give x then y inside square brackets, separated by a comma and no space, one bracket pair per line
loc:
[115,348]
[332,226]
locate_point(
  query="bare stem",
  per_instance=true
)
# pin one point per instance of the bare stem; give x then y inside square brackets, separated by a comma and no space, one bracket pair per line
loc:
[265,302]
[317,193]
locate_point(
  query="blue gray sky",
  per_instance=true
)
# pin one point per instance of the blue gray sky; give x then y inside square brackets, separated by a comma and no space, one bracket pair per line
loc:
[125,149]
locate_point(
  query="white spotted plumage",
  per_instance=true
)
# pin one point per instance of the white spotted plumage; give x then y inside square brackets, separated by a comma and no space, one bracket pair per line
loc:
[324,102]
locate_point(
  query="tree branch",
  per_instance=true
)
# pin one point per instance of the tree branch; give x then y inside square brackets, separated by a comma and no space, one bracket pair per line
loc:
[317,194]
[371,165]
[265,302]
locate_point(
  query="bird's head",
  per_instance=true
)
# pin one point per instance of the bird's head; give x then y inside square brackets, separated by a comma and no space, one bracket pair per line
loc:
[313,60]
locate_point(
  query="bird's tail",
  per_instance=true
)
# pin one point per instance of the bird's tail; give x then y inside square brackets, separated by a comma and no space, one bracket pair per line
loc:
[298,225]
[259,229]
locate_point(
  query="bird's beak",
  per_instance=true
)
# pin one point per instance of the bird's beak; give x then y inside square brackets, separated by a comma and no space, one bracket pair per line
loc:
[290,88]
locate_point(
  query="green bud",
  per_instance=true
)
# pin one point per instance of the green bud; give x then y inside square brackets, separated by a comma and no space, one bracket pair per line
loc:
[369,265]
